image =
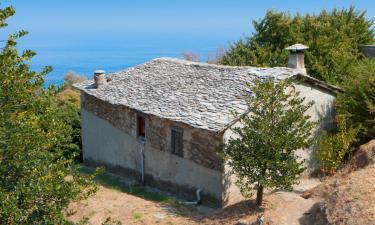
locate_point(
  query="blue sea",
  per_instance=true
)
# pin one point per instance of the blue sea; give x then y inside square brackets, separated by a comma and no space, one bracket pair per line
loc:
[110,51]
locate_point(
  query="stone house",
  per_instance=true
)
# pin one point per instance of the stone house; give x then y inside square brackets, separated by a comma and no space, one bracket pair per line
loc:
[163,121]
[368,50]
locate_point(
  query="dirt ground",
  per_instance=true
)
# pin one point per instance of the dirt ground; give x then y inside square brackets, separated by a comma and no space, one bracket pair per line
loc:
[124,208]
[346,198]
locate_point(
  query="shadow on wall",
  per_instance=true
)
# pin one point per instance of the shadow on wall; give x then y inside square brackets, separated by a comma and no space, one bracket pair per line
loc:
[326,121]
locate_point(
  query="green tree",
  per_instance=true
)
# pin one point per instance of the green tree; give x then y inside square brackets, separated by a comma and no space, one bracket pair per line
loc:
[262,152]
[333,38]
[38,177]
[334,146]
[69,102]
[357,102]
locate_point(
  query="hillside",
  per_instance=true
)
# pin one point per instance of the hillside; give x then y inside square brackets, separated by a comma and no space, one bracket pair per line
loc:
[349,196]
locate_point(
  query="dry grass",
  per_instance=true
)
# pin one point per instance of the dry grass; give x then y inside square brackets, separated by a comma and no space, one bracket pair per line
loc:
[349,196]
[352,199]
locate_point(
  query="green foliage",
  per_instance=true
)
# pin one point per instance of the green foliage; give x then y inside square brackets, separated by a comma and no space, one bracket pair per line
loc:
[357,103]
[262,151]
[137,215]
[68,99]
[67,94]
[334,147]
[69,114]
[333,38]
[38,178]
[114,182]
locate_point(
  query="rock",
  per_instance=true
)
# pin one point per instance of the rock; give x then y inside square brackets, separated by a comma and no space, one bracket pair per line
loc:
[242,222]
[364,155]
[159,215]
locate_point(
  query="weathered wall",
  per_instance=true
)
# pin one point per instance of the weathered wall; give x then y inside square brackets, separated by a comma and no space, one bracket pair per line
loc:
[322,110]
[368,50]
[109,138]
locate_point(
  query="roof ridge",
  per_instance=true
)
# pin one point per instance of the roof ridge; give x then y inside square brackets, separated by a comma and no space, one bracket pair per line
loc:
[212,65]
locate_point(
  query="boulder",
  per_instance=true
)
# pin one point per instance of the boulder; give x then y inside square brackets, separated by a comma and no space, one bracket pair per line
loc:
[363,156]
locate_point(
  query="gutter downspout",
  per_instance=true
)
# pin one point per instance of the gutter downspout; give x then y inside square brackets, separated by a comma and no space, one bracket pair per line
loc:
[142,148]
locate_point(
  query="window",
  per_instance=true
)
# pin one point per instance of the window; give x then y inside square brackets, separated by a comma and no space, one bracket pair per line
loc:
[177,141]
[141,126]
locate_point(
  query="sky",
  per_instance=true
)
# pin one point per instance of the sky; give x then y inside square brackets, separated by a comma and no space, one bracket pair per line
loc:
[211,17]
[83,35]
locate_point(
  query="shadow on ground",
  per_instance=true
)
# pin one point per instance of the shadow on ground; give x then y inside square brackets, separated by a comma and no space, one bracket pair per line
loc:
[314,216]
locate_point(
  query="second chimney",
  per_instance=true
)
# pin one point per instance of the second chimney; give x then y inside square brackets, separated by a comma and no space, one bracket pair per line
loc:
[100,79]
[297,57]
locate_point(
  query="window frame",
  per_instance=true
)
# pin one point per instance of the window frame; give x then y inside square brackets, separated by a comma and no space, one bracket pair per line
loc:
[177,149]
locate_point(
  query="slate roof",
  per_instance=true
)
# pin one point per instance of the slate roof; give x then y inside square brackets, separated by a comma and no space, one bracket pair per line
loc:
[198,94]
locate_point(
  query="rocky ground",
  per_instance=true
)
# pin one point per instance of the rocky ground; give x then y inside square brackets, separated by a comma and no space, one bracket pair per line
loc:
[348,197]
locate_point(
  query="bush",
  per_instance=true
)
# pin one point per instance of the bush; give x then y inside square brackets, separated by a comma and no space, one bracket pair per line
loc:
[335,146]
[68,99]
[357,103]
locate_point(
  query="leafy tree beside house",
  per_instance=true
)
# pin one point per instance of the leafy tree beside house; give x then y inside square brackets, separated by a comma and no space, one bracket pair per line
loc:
[355,116]
[333,38]
[38,177]
[262,151]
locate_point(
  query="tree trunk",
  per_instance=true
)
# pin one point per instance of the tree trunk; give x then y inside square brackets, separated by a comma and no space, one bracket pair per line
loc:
[259,196]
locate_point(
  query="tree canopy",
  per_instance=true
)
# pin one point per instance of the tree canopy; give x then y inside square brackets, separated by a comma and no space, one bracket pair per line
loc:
[357,103]
[333,38]
[38,177]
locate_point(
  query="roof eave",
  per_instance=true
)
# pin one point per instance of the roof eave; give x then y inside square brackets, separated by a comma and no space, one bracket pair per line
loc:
[318,83]
[331,88]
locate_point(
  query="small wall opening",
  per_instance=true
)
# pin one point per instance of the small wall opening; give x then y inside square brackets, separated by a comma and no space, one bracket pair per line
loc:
[141,130]
[177,141]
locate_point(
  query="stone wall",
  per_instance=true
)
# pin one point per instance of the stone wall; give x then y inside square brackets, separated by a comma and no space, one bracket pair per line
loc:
[368,50]
[199,146]
[110,139]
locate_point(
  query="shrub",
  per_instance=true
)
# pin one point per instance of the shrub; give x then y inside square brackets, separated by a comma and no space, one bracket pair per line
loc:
[334,146]
[357,103]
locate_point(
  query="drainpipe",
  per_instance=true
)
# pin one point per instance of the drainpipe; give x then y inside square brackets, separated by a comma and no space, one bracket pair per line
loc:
[198,201]
[142,142]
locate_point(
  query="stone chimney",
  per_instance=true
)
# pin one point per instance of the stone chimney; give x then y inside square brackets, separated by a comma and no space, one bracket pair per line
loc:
[100,79]
[297,57]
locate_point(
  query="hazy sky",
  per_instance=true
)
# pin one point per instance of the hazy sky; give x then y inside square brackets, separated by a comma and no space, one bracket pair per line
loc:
[204,17]
[85,35]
